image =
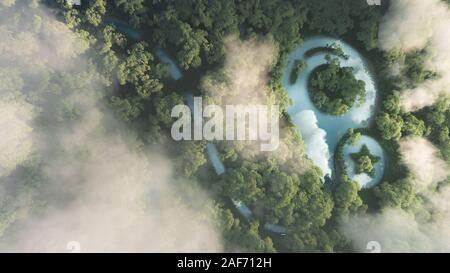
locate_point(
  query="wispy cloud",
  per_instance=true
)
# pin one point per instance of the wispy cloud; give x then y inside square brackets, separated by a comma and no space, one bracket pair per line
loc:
[99,188]
[415,25]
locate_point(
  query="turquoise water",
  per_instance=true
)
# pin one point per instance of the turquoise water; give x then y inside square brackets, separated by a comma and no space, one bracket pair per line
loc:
[363,179]
[136,35]
[175,72]
[243,209]
[321,132]
[125,29]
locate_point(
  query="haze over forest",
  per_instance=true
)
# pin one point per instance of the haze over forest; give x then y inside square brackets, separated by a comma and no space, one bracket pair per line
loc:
[87,156]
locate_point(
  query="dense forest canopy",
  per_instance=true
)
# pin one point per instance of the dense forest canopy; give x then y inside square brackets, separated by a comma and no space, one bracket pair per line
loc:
[64,66]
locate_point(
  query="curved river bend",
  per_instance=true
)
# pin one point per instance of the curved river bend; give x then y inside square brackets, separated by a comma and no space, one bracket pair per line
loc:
[321,132]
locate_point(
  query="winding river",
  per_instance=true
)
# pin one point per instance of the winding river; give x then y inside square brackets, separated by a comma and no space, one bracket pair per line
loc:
[321,132]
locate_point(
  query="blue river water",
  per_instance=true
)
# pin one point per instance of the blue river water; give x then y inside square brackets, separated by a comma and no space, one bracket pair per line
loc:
[126,29]
[321,132]
[175,72]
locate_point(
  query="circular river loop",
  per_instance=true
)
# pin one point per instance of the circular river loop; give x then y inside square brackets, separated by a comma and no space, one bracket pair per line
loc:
[321,132]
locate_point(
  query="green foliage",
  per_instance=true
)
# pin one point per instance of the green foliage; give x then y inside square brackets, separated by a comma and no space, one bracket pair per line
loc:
[369,34]
[438,119]
[330,16]
[412,70]
[368,28]
[217,19]
[281,191]
[391,104]
[389,120]
[338,17]
[415,68]
[243,184]
[334,89]
[190,42]
[414,126]
[136,70]
[192,157]
[331,49]
[390,126]
[252,241]
[241,235]
[194,43]
[111,41]
[128,108]
[394,56]
[364,161]
[136,9]
[111,38]
[27,179]
[95,12]
[347,199]
[364,165]
[298,67]
[72,18]
[399,194]
[163,105]
[353,137]
[282,19]
[345,194]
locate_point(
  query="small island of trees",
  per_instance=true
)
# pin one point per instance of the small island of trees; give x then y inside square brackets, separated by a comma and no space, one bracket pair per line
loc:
[334,89]
[365,161]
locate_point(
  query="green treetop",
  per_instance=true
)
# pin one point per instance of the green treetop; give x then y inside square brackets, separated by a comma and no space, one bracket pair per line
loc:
[334,89]
[365,161]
